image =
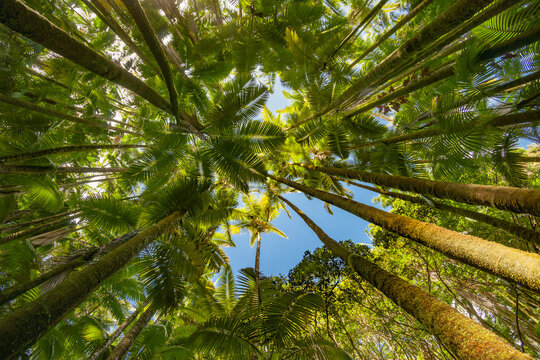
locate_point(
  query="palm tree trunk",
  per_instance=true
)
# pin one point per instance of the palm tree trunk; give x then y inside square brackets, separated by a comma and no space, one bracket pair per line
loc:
[97,353]
[37,230]
[505,198]
[393,30]
[511,264]
[19,289]
[122,348]
[36,221]
[448,70]
[528,235]
[50,112]
[258,256]
[22,19]
[461,335]
[64,150]
[362,23]
[36,169]
[24,326]
[105,16]
[459,12]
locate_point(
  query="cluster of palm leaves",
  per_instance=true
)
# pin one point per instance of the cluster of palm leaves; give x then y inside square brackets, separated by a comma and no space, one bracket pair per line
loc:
[130,128]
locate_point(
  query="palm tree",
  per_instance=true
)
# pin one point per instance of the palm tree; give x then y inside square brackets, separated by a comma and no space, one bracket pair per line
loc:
[256,218]
[459,333]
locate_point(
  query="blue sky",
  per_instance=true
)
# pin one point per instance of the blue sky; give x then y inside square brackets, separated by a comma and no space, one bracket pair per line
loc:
[279,255]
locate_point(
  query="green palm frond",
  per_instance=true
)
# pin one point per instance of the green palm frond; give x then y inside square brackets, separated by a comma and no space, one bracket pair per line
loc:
[288,315]
[315,348]
[109,215]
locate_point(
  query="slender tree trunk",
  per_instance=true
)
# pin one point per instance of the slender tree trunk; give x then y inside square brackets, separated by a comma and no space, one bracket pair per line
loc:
[37,169]
[97,353]
[449,71]
[36,221]
[362,23]
[37,230]
[463,336]
[50,112]
[19,289]
[459,12]
[122,348]
[27,324]
[511,264]
[105,16]
[22,19]
[258,256]
[522,232]
[393,30]
[64,150]
[505,198]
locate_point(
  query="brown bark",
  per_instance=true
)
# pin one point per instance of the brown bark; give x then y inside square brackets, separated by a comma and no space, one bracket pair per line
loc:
[22,19]
[522,232]
[511,264]
[461,335]
[123,346]
[505,198]
[24,326]
[64,150]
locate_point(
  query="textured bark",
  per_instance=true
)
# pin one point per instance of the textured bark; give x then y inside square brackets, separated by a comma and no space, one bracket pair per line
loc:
[153,43]
[27,324]
[19,289]
[258,256]
[461,335]
[37,230]
[448,70]
[36,221]
[64,150]
[97,353]
[362,23]
[22,19]
[511,264]
[393,30]
[457,13]
[37,169]
[505,198]
[528,235]
[50,112]
[123,346]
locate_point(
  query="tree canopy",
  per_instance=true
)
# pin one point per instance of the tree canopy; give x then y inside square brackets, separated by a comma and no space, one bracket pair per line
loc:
[136,142]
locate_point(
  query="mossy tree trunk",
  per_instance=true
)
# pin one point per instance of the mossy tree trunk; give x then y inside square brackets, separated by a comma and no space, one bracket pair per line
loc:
[24,20]
[522,232]
[97,353]
[514,265]
[505,198]
[27,324]
[123,346]
[461,335]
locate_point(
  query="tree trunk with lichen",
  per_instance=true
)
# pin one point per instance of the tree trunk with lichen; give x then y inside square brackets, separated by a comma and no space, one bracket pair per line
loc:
[464,337]
[27,324]
[97,353]
[511,264]
[19,289]
[522,232]
[123,346]
[502,197]
[24,20]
